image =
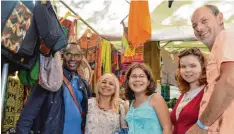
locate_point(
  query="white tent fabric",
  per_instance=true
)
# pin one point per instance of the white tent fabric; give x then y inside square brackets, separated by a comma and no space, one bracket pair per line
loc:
[105,16]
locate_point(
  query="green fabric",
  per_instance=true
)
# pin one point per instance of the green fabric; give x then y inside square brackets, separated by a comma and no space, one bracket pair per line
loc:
[65,29]
[29,78]
[106,56]
[35,70]
[23,77]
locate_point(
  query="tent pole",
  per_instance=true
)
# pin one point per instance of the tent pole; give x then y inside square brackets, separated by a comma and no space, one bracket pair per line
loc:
[3,86]
[80,18]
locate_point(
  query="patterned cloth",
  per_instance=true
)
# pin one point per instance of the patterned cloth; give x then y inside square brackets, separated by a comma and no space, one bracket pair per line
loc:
[16,27]
[222,51]
[14,103]
[100,121]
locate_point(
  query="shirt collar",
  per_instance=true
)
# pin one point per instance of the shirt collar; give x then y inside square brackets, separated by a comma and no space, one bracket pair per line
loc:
[68,75]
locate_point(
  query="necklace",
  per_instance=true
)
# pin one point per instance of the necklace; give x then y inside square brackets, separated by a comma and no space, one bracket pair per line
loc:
[104,108]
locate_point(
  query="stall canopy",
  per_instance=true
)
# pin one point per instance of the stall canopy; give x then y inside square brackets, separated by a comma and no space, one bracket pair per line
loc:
[105,16]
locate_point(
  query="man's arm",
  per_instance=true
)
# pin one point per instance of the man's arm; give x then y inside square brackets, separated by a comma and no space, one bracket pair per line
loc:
[222,95]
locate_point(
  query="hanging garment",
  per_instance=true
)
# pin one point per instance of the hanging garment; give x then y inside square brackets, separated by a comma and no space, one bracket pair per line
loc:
[13,104]
[139,25]
[89,42]
[106,56]
[128,51]
[18,30]
[66,25]
[72,36]
[19,36]
[30,77]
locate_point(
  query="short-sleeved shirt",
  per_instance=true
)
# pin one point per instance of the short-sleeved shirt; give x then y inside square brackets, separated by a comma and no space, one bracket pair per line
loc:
[222,51]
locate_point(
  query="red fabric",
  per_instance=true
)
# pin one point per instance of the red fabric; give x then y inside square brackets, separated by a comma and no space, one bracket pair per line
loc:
[188,116]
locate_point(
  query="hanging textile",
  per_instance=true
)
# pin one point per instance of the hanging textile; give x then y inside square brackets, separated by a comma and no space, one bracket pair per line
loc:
[89,42]
[106,56]
[152,57]
[13,104]
[66,24]
[139,25]
[30,77]
[72,36]
[128,50]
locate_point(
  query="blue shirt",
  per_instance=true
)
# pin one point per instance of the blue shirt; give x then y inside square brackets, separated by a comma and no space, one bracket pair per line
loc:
[143,119]
[73,119]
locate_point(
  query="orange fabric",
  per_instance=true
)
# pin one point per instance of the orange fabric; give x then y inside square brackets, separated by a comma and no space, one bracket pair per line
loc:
[139,25]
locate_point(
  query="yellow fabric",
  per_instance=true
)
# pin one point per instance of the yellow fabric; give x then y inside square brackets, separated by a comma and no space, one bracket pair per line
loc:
[106,56]
[127,50]
[139,25]
[14,103]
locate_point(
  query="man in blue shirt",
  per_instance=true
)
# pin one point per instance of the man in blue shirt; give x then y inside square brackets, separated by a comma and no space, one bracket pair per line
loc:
[57,112]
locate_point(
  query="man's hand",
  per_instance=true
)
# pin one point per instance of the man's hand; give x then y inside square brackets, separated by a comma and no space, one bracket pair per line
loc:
[196,130]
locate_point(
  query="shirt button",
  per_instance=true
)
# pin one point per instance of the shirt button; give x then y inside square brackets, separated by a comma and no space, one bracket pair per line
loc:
[51,102]
[38,132]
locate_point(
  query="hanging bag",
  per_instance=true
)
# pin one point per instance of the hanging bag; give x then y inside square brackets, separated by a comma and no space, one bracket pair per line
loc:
[18,31]
[122,129]
[49,28]
[51,72]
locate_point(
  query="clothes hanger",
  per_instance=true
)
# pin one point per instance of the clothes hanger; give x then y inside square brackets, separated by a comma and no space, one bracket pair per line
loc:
[88,33]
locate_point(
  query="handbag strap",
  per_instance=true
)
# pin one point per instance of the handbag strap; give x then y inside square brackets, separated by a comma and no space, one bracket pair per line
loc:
[73,94]
[120,117]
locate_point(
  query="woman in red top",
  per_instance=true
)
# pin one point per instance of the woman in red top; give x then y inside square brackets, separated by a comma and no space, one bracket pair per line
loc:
[192,81]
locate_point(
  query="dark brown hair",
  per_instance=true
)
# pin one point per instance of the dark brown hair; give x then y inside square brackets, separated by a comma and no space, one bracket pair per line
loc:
[151,87]
[184,85]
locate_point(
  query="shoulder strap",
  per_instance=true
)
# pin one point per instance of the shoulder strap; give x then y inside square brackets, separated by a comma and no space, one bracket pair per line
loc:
[150,96]
[73,94]
[120,116]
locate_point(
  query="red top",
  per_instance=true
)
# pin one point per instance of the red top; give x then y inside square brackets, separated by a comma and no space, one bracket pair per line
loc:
[188,115]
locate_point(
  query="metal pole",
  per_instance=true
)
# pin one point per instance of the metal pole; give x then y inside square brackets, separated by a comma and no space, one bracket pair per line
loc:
[80,18]
[4,85]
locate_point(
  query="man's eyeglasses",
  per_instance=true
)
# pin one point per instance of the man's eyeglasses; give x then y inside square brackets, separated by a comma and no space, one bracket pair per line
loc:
[70,55]
[135,76]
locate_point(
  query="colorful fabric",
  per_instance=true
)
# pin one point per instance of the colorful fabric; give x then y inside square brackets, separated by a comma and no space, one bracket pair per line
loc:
[106,56]
[14,103]
[222,51]
[139,23]
[16,27]
[128,51]
[90,46]
[72,37]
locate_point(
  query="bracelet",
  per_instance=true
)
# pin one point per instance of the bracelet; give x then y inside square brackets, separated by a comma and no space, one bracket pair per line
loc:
[200,125]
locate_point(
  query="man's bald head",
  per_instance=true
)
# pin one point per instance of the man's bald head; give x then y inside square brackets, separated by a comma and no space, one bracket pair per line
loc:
[207,22]
[74,47]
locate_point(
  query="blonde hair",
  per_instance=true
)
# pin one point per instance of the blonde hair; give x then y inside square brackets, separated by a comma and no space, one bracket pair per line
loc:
[115,97]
